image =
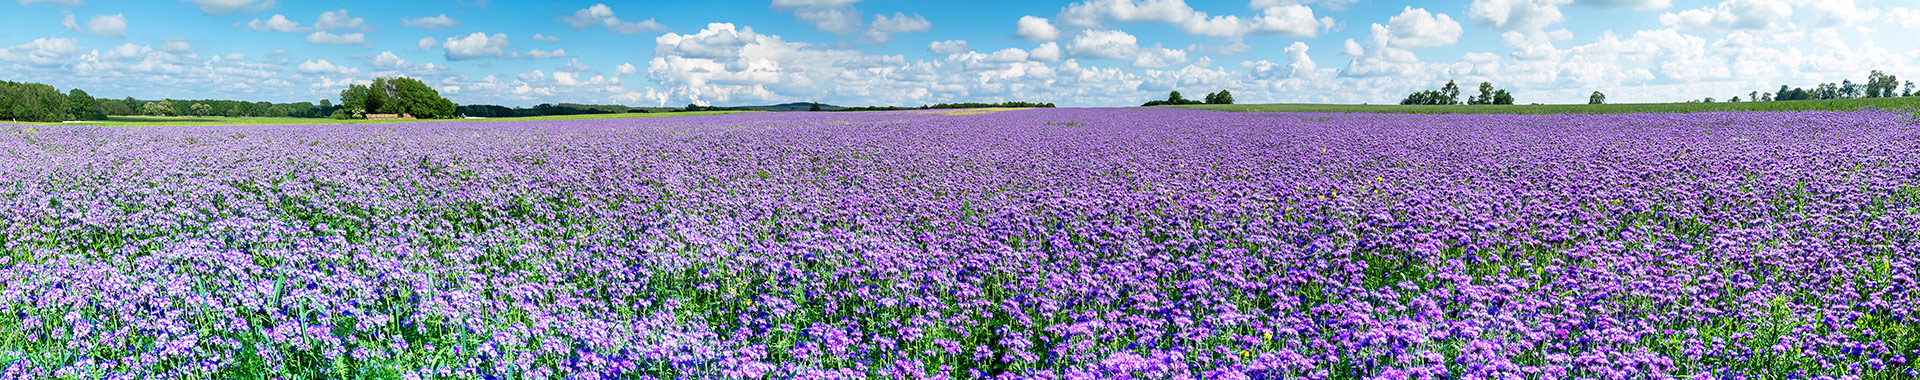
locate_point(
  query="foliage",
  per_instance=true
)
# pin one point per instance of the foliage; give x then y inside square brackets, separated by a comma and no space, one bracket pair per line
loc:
[1446,95]
[1597,98]
[33,102]
[81,106]
[1173,98]
[397,95]
[1490,96]
[1222,97]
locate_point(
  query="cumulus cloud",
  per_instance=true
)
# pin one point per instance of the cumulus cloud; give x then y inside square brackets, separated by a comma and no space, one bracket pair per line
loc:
[277,23]
[427,43]
[885,27]
[324,67]
[476,46]
[221,7]
[435,22]
[947,47]
[114,25]
[1275,18]
[1046,52]
[42,51]
[1104,44]
[338,20]
[1035,28]
[544,54]
[545,38]
[324,37]
[1732,15]
[1159,57]
[1906,17]
[602,15]
[1415,27]
[626,69]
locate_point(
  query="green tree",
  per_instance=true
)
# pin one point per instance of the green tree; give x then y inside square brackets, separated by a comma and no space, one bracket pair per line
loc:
[81,106]
[1451,92]
[1174,97]
[814,108]
[1501,97]
[1486,94]
[1226,97]
[1597,98]
[202,109]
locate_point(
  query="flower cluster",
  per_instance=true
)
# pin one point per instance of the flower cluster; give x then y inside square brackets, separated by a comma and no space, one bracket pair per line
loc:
[1032,244]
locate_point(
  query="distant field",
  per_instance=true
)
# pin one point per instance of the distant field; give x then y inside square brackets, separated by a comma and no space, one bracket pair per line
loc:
[128,121]
[1797,105]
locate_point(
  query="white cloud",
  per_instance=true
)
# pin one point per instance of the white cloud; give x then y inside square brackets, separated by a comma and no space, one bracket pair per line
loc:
[69,23]
[545,38]
[177,46]
[323,37]
[1626,4]
[1830,13]
[1732,15]
[42,51]
[885,27]
[57,2]
[221,7]
[108,26]
[338,20]
[1104,44]
[625,69]
[790,4]
[324,67]
[1907,17]
[601,14]
[1291,20]
[476,46]
[1352,48]
[1415,27]
[543,54]
[435,22]
[1046,52]
[1516,14]
[427,43]
[1159,57]
[1036,29]
[837,20]
[1275,18]
[277,23]
[947,47]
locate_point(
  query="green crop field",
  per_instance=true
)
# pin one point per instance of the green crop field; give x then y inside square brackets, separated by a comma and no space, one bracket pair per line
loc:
[1796,105]
[132,121]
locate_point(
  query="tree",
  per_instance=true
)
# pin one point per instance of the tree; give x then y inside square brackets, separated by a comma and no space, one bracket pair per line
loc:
[133,105]
[1486,95]
[1211,97]
[1501,97]
[82,107]
[1597,98]
[202,109]
[1850,90]
[814,108]
[1226,97]
[1707,100]
[1753,96]
[1736,99]
[1174,97]
[1766,96]
[1783,94]
[1909,91]
[1451,92]
[161,108]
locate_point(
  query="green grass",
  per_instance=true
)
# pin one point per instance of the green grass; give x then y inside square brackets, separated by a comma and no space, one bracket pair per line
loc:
[1796,105]
[181,121]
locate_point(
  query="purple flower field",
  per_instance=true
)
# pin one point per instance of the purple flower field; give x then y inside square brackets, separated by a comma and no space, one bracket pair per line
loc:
[1029,244]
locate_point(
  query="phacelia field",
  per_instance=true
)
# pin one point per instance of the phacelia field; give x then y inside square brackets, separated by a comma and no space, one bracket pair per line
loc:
[1029,244]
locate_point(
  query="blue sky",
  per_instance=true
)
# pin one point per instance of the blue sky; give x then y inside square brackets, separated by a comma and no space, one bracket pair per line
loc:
[897,52]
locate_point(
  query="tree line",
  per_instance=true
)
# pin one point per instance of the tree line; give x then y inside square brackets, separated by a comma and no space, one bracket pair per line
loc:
[1450,95]
[1174,98]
